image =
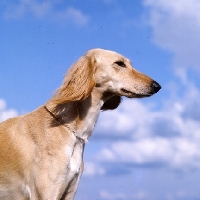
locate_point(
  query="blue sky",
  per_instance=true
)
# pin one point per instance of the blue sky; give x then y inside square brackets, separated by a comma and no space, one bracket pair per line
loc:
[147,149]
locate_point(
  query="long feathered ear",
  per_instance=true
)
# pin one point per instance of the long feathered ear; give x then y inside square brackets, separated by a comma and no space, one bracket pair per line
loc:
[78,83]
[111,103]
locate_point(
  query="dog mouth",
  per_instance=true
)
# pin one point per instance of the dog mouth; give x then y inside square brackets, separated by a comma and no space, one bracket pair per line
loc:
[127,92]
[130,94]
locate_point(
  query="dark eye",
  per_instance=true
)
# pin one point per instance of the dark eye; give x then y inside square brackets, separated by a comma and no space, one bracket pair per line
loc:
[120,63]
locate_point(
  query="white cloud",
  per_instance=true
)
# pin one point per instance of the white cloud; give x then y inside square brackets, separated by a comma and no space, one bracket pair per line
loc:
[176,27]
[140,195]
[91,169]
[176,153]
[130,116]
[6,113]
[170,136]
[46,10]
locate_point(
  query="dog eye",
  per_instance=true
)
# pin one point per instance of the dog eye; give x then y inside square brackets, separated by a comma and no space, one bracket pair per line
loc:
[120,63]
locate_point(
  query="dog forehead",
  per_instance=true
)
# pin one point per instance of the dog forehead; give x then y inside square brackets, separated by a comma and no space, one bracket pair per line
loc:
[102,55]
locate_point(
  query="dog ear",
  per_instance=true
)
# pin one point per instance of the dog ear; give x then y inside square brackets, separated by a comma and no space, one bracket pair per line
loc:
[78,83]
[111,103]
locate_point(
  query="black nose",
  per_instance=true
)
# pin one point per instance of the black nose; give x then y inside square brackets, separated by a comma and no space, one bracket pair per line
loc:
[155,86]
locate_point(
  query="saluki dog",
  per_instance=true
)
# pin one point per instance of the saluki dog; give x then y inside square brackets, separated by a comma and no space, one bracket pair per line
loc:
[41,153]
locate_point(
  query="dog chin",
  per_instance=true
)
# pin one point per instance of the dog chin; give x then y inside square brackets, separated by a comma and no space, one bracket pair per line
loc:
[137,96]
[130,94]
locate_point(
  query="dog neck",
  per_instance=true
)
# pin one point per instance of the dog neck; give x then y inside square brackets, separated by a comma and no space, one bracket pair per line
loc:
[89,110]
[79,117]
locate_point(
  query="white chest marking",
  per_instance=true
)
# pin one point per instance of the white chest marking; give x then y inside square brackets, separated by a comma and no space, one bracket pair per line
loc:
[27,191]
[76,158]
[89,122]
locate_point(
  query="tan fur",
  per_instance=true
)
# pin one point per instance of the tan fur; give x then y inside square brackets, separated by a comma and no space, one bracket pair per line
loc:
[41,153]
[78,82]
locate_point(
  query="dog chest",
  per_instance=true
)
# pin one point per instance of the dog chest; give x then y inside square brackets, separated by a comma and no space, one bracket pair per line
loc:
[76,157]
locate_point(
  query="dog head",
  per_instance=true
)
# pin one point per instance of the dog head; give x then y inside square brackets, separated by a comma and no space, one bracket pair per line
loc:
[108,71]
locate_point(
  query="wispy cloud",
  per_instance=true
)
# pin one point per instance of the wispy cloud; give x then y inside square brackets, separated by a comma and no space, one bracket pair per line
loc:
[92,169]
[72,15]
[46,10]
[170,136]
[176,27]
[110,196]
[140,195]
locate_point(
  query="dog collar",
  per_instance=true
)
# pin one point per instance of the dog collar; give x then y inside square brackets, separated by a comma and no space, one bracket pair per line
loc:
[65,125]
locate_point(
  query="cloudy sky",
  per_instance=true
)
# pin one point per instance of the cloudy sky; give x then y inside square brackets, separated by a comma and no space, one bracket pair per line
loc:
[147,149]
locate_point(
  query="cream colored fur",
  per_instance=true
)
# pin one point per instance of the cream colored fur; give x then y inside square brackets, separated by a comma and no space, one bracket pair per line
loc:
[41,153]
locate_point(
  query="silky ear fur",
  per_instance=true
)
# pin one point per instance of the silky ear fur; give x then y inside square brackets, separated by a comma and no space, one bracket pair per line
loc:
[111,103]
[78,82]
